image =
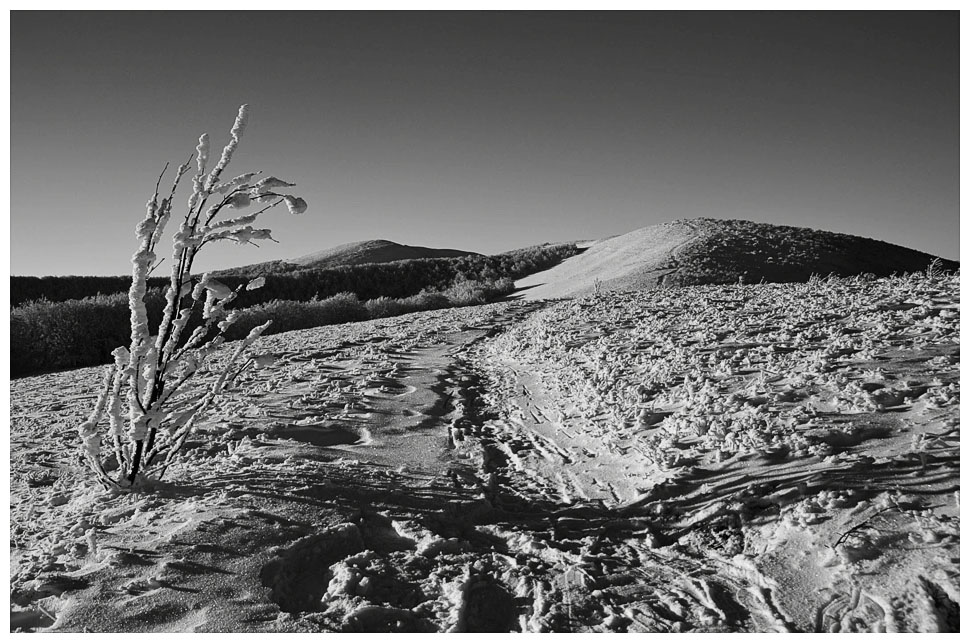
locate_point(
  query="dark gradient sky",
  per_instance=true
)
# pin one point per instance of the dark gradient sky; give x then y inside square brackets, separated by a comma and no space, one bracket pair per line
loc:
[486,131]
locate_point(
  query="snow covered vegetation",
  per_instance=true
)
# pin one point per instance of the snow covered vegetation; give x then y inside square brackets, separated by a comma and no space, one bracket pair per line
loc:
[61,322]
[147,396]
[718,458]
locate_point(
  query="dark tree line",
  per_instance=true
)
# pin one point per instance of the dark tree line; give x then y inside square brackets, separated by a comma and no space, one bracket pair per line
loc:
[284,282]
[46,334]
[24,289]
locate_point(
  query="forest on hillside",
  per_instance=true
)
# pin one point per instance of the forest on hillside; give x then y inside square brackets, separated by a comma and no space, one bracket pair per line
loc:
[50,329]
[289,282]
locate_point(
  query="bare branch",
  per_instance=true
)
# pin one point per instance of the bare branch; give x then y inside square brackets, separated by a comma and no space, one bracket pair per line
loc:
[152,269]
[158,183]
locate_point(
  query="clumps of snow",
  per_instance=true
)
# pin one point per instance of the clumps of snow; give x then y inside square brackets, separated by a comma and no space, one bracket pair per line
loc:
[271,183]
[295,204]
[703,459]
[349,577]
[732,370]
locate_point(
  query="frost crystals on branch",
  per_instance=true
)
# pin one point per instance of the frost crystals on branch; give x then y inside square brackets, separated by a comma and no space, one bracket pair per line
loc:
[150,407]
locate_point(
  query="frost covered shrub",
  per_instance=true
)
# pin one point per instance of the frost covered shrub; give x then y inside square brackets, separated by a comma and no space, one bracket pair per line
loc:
[298,315]
[28,352]
[23,357]
[385,307]
[284,313]
[469,292]
[426,300]
[466,292]
[341,308]
[503,286]
[48,336]
[346,307]
[146,397]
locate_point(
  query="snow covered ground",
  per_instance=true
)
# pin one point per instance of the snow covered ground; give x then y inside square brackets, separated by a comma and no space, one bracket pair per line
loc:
[712,458]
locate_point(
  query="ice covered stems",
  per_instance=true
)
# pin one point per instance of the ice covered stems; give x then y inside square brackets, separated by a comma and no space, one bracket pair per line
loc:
[147,394]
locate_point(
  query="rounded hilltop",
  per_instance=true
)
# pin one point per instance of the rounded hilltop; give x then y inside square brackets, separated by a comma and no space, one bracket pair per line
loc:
[720,251]
[348,254]
[372,251]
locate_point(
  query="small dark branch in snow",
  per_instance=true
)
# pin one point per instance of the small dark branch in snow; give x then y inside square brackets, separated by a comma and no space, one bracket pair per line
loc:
[158,183]
[862,525]
[135,462]
[272,205]
[219,207]
[231,380]
[137,392]
[152,269]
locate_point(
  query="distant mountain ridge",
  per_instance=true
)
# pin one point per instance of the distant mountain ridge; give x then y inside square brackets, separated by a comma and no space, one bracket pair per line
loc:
[373,251]
[714,251]
[682,252]
[350,254]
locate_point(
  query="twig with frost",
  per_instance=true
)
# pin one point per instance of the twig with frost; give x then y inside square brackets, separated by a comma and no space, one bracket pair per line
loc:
[149,407]
[865,524]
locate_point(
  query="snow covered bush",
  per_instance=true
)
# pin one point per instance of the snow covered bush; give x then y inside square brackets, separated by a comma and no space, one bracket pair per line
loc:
[151,409]
[51,335]
[296,315]
[385,307]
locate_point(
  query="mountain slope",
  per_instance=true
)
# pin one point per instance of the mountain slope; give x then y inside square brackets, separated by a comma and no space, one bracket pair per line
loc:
[348,254]
[710,251]
[373,251]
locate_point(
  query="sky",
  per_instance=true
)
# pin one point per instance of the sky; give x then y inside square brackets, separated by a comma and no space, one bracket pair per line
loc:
[484,131]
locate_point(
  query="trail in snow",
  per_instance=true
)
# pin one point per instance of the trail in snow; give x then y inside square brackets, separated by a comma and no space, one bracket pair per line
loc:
[757,458]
